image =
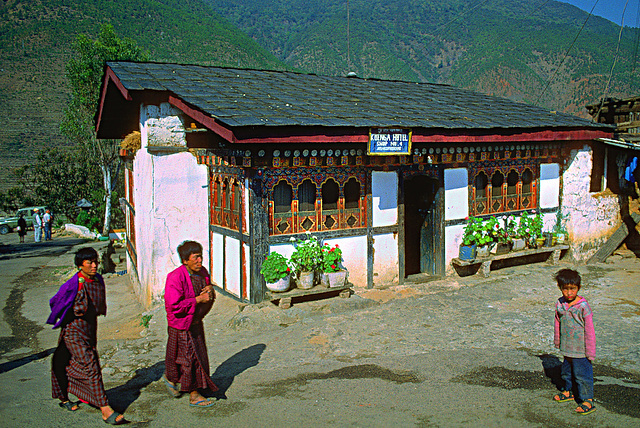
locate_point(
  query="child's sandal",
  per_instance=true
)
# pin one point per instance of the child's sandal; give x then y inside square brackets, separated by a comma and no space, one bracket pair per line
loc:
[563,397]
[583,409]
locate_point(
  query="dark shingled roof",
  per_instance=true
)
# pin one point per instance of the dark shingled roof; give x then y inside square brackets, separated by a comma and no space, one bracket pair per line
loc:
[237,98]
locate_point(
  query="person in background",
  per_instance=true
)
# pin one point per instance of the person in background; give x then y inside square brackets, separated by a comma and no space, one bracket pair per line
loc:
[188,297]
[37,225]
[22,228]
[75,366]
[46,221]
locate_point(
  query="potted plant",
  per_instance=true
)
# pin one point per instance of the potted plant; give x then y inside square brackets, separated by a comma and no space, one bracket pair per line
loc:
[536,230]
[332,273]
[521,232]
[471,236]
[559,230]
[307,258]
[276,272]
[501,239]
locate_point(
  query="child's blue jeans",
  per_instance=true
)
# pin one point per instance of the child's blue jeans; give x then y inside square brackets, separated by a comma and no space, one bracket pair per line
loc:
[580,370]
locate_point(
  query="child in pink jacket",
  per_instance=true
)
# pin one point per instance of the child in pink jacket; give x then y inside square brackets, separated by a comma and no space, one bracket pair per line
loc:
[575,336]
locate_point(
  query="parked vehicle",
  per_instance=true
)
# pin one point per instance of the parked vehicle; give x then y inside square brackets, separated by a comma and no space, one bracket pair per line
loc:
[8,224]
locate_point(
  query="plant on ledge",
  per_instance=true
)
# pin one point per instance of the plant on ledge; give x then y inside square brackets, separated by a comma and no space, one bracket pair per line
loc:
[331,258]
[307,256]
[475,233]
[275,267]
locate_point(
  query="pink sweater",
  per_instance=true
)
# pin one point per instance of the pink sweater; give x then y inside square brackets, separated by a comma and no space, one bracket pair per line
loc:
[180,299]
[573,329]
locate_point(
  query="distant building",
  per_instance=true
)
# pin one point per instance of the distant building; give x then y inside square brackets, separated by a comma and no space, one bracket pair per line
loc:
[614,164]
[245,160]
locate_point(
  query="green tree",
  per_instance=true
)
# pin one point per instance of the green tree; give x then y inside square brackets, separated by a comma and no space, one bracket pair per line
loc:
[85,78]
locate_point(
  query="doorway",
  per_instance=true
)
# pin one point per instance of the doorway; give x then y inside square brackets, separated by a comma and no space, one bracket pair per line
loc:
[423,249]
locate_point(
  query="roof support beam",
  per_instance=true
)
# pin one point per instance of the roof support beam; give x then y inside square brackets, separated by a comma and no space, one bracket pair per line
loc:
[110,76]
[207,121]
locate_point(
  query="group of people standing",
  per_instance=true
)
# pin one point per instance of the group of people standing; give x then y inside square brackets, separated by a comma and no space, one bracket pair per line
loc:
[41,225]
[75,367]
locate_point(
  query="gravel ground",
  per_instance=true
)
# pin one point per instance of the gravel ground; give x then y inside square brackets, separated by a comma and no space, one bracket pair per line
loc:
[453,352]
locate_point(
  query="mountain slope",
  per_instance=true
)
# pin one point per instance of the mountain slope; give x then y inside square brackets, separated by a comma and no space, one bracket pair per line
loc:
[35,44]
[501,47]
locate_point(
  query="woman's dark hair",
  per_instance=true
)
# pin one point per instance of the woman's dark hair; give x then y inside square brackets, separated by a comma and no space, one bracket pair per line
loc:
[568,276]
[85,253]
[187,248]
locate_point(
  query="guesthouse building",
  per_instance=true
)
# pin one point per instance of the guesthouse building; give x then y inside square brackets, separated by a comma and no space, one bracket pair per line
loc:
[245,161]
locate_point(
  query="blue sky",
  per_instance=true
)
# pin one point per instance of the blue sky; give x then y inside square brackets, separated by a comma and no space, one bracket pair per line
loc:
[610,9]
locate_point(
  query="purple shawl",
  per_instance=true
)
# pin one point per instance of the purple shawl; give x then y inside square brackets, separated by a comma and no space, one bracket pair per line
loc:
[62,302]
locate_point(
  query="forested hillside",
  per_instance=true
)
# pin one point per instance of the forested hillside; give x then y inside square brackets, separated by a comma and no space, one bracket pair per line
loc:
[36,42]
[507,48]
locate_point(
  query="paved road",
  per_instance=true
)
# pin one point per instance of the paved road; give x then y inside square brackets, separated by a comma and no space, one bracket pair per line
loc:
[456,352]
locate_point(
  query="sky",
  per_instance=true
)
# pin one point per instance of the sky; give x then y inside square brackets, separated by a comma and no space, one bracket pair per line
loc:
[611,10]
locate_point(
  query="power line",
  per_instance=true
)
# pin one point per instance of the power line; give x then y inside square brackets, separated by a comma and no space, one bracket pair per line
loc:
[566,53]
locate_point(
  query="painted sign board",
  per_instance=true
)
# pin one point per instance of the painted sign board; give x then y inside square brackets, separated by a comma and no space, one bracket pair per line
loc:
[389,141]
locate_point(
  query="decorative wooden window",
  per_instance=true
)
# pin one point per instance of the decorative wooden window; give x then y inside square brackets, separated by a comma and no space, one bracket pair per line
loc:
[225,200]
[306,206]
[527,191]
[312,200]
[498,194]
[497,199]
[282,197]
[352,203]
[330,212]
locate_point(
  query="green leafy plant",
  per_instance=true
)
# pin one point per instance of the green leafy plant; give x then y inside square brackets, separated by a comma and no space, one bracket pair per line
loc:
[497,231]
[275,267]
[536,226]
[559,227]
[524,228]
[145,320]
[331,258]
[307,255]
[476,232]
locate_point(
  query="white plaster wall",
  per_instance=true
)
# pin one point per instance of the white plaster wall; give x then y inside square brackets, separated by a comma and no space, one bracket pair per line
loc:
[385,258]
[171,200]
[384,193]
[247,257]
[456,193]
[354,257]
[217,260]
[550,185]
[452,239]
[232,268]
[591,217]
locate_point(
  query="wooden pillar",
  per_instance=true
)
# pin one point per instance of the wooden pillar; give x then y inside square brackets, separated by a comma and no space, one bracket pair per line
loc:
[258,237]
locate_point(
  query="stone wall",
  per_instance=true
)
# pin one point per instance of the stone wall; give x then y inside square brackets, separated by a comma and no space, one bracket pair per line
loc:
[591,218]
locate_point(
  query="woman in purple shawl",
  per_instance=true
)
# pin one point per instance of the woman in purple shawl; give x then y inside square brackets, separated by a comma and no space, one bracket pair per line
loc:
[75,366]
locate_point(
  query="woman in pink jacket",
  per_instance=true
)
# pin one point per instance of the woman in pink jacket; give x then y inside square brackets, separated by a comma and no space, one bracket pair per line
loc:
[188,297]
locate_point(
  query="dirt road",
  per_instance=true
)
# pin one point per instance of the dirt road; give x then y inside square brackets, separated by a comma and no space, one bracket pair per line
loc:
[455,352]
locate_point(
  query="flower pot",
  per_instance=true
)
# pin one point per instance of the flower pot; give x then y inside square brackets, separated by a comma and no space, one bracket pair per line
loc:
[518,244]
[335,279]
[539,242]
[500,248]
[482,251]
[305,279]
[561,238]
[467,252]
[548,240]
[280,285]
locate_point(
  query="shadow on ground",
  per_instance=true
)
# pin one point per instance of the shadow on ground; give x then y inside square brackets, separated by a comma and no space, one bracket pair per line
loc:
[227,371]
